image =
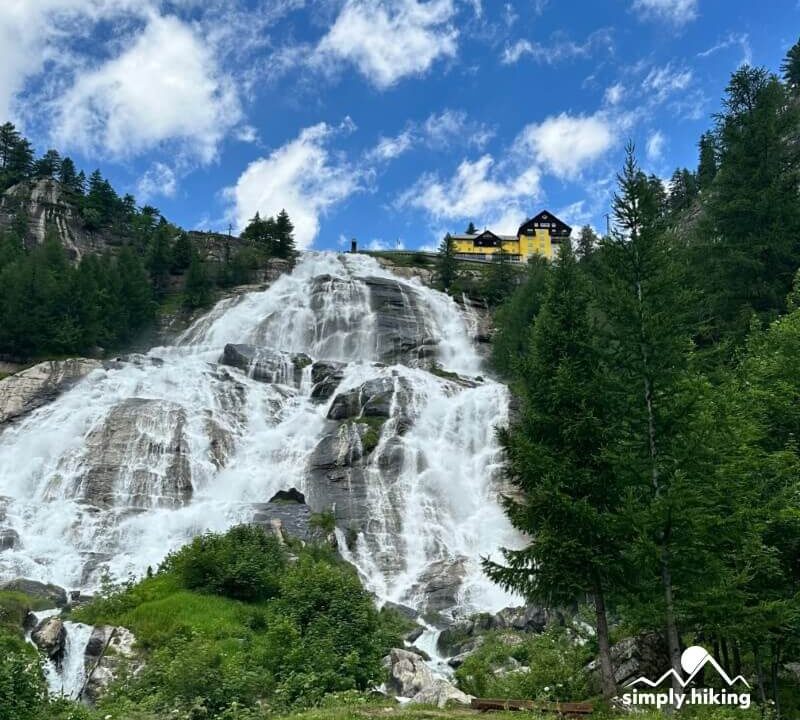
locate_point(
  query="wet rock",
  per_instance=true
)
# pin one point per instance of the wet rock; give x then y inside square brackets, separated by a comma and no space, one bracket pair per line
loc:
[439,584]
[292,495]
[410,677]
[267,365]
[40,384]
[9,539]
[404,610]
[526,619]
[53,595]
[110,651]
[138,457]
[325,377]
[371,399]
[287,517]
[50,636]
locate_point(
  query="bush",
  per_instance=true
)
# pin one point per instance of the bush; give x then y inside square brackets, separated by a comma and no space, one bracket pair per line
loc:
[555,667]
[22,689]
[245,564]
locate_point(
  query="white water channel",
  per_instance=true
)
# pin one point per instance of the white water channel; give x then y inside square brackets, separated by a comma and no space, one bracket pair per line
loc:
[77,518]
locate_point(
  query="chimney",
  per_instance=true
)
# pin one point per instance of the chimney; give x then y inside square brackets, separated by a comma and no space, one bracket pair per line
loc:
[353,246]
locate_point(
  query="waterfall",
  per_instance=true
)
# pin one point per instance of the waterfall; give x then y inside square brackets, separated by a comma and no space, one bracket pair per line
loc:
[143,455]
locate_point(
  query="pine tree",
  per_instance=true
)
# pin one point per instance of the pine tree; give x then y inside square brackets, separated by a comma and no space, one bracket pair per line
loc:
[67,175]
[641,292]
[500,278]
[682,191]
[135,294]
[181,253]
[587,242]
[471,229]
[284,237]
[707,164]
[447,269]
[555,458]
[48,166]
[159,259]
[790,67]
[197,291]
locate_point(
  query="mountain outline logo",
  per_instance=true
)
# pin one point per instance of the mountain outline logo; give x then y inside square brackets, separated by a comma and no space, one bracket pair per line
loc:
[693,660]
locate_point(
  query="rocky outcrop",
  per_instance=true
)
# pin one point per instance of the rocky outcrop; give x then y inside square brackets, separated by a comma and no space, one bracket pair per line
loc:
[439,585]
[138,457]
[38,385]
[110,650]
[287,516]
[50,595]
[404,332]
[325,378]
[267,365]
[371,399]
[410,677]
[9,539]
[50,636]
[632,657]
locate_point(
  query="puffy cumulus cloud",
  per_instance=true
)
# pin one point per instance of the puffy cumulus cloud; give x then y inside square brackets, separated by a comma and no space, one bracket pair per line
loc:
[164,86]
[303,177]
[565,144]
[476,189]
[678,12]
[388,41]
[655,146]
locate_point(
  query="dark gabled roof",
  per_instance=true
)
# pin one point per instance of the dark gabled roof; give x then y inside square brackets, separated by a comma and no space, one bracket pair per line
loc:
[546,219]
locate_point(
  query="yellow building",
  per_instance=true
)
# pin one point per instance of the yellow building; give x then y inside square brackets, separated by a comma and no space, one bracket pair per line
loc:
[538,236]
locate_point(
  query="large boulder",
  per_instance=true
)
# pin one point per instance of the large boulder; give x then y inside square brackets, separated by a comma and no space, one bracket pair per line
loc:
[439,584]
[9,539]
[48,595]
[110,650]
[139,457]
[371,399]
[410,677]
[632,657]
[50,636]
[287,516]
[267,365]
[38,385]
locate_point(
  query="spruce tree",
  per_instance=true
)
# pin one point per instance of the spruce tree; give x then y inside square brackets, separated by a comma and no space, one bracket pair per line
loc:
[587,242]
[181,253]
[284,237]
[707,164]
[67,174]
[49,165]
[159,259]
[500,278]
[447,266]
[555,459]
[197,291]
[471,229]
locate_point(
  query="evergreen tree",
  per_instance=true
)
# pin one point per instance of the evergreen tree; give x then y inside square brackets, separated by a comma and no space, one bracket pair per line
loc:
[260,234]
[641,292]
[159,259]
[48,166]
[587,242]
[80,183]
[197,292]
[500,278]
[67,174]
[471,229]
[682,191]
[790,67]
[16,156]
[135,294]
[181,253]
[447,269]
[555,458]
[284,237]
[707,164]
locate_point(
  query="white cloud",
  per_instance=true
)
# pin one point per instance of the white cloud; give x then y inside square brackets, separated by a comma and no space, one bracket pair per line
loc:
[655,146]
[158,180]
[678,12]
[247,134]
[378,244]
[742,40]
[389,148]
[388,41]
[449,127]
[566,144]
[476,189]
[164,86]
[662,82]
[560,48]
[302,177]
[614,93]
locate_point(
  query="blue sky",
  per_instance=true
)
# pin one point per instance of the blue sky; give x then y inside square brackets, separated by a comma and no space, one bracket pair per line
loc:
[384,120]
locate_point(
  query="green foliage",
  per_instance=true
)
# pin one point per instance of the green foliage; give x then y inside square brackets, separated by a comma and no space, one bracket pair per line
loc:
[197,290]
[554,667]
[513,320]
[447,266]
[501,279]
[303,629]
[273,236]
[245,564]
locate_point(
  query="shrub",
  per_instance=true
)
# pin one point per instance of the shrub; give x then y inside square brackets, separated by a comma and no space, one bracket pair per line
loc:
[245,564]
[555,667]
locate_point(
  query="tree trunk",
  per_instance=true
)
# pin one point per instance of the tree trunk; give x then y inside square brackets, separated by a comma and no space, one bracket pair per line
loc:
[608,683]
[762,694]
[737,659]
[775,664]
[726,660]
[673,639]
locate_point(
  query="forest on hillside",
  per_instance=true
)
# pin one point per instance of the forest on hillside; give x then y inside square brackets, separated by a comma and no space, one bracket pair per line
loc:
[51,305]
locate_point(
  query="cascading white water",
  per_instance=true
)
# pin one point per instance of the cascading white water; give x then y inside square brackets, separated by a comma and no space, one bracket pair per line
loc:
[142,456]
